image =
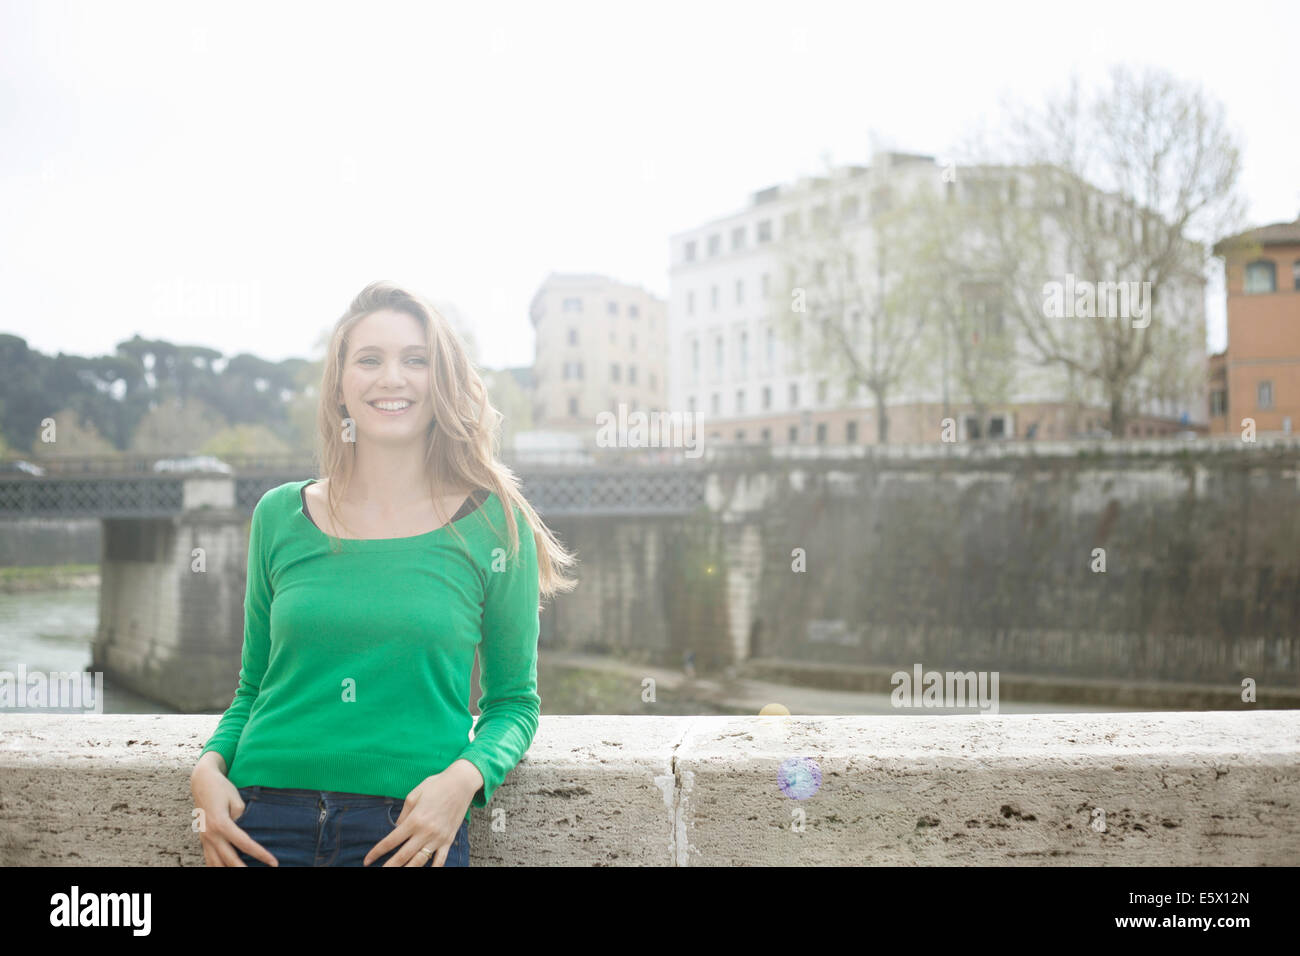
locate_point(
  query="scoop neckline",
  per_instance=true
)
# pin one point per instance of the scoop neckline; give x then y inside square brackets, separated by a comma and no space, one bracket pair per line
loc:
[373,544]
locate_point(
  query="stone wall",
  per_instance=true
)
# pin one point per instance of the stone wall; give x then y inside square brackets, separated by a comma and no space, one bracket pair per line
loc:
[1216,789]
[995,565]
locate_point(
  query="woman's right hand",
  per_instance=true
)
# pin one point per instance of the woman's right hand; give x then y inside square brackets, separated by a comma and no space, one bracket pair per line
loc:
[222,805]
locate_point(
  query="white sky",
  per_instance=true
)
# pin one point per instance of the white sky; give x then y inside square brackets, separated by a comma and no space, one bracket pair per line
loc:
[277,157]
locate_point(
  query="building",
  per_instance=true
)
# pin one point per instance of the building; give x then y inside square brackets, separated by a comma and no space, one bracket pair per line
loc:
[729,362]
[599,343]
[1261,378]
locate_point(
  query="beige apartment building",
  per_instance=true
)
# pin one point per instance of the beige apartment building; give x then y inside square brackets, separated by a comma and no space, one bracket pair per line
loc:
[599,343]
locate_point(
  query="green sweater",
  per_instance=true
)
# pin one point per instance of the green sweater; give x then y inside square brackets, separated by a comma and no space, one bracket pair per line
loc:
[356,665]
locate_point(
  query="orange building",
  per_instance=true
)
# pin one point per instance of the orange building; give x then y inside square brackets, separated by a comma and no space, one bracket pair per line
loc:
[1260,379]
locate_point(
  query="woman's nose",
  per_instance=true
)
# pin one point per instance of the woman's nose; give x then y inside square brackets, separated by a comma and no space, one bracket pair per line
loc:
[393,375]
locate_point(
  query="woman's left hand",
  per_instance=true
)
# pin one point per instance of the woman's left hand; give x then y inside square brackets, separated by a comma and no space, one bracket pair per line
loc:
[431,817]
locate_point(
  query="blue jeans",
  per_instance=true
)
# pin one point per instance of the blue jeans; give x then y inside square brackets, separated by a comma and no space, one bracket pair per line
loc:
[326,828]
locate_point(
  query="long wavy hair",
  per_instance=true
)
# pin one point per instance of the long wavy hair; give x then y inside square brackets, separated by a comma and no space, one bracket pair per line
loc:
[461,446]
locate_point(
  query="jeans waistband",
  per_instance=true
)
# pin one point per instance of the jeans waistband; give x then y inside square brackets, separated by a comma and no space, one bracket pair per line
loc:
[295,795]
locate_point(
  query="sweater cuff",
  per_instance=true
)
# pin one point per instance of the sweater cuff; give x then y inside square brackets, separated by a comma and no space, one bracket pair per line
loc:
[227,752]
[484,793]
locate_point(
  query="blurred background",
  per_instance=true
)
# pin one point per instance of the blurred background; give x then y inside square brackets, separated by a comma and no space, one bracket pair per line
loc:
[839,342]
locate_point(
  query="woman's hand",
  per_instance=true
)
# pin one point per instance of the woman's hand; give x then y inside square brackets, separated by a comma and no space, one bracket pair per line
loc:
[431,817]
[222,805]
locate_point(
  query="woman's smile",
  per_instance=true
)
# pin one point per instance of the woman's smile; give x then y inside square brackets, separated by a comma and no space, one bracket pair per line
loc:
[398,406]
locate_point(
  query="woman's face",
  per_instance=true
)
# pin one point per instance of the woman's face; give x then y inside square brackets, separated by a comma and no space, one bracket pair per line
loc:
[387,362]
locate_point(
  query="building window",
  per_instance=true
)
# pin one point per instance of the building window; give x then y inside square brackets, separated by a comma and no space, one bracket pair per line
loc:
[571,305]
[716,404]
[790,225]
[713,294]
[851,432]
[767,396]
[765,231]
[794,394]
[740,434]
[763,284]
[690,303]
[631,374]
[1261,276]
[633,312]
[1295,274]
[1218,403]
[573,336]
[715,245]
[767,435]
[613,372]
[821,392]
[740,291]
[573,406]
[689,254]
[744,354]
[740,401]
[695,359]
[1264,395]
[613,308]
[690,404]
[819,216]
[771,347]
[821,433]
[717,355]
[738,238]
[794,434]
[849,209]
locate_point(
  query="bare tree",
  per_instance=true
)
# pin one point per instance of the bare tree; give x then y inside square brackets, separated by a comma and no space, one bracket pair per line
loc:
[1129,186]
[966,317]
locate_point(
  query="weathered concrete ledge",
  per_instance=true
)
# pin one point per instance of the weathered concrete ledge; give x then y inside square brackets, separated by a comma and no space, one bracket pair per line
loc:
[1216,788]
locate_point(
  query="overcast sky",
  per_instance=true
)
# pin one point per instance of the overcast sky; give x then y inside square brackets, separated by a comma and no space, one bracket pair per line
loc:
[276,157]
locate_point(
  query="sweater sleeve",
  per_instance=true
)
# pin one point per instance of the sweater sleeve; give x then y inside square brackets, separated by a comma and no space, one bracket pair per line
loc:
[509,706]
[257,640]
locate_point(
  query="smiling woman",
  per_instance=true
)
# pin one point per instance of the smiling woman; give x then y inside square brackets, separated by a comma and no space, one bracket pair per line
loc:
[370,590]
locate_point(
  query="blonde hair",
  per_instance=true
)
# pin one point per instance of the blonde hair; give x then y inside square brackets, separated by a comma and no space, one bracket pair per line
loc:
[462,444]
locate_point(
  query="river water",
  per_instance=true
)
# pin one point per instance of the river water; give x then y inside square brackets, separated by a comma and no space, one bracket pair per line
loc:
[52,631]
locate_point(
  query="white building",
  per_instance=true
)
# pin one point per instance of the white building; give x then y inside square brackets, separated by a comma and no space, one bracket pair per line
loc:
[729,363]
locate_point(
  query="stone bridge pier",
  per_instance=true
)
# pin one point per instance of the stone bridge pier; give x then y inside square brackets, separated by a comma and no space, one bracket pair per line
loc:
[171,599]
